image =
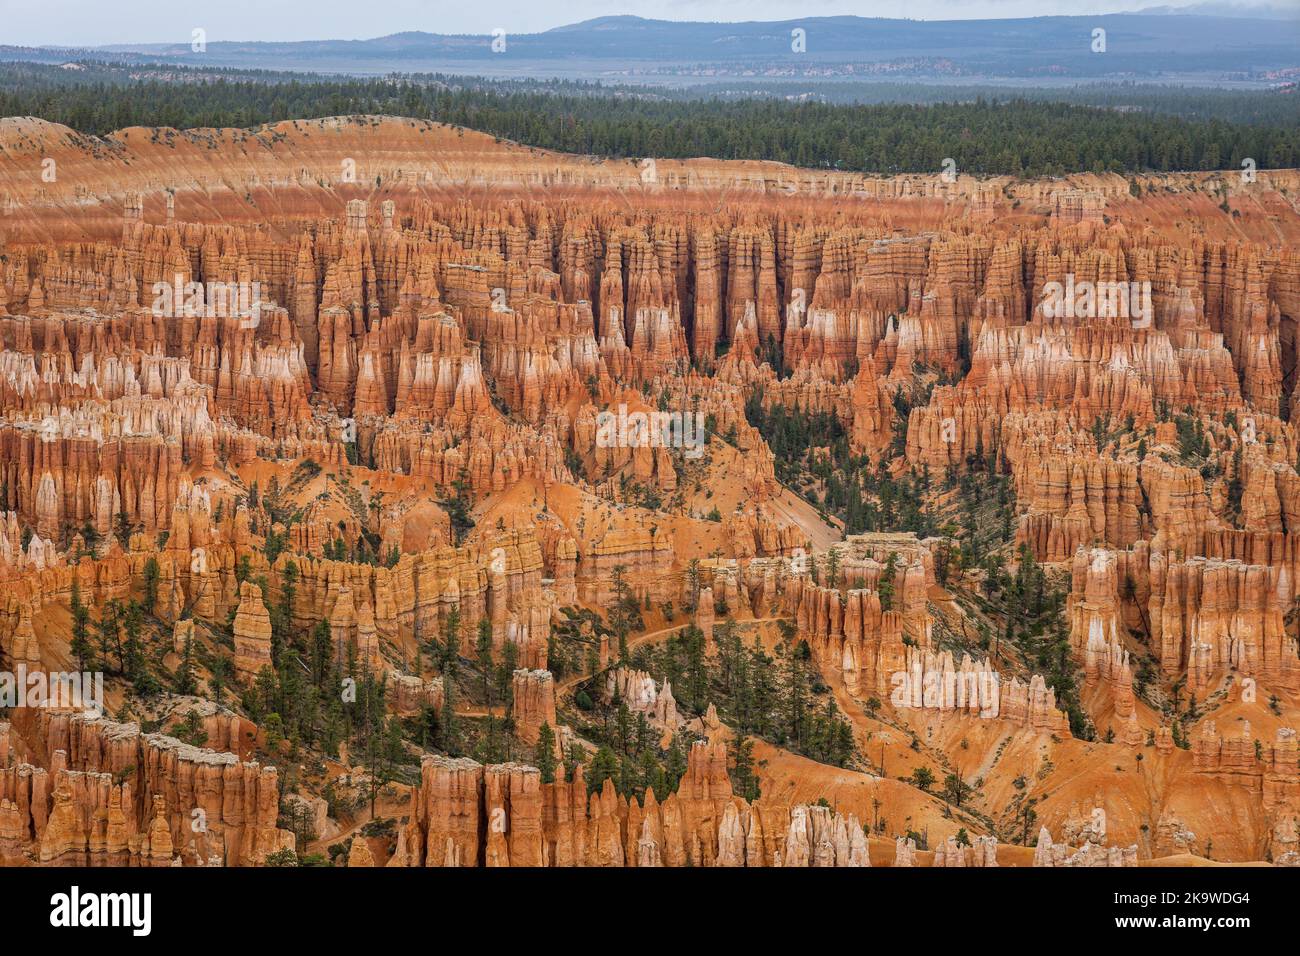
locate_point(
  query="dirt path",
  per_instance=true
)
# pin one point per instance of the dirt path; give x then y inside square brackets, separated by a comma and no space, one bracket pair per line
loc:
[395,807]
[566,686]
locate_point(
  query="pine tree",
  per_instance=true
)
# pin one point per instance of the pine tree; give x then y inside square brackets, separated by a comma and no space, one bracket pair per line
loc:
[483,654]
[81,647]
[742,773]
[696,673]
[692,585]
[185,683]
[544,753]
[151,577]
[451,642]
[674,767]
[885,585]
[604,766]
[954,788]
[506,672]
[282,614]
[122,528]
[109,630]
[448,723]
[143,682]
[625,614]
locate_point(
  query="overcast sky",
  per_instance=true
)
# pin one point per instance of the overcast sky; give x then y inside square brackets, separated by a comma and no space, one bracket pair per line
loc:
[95,22]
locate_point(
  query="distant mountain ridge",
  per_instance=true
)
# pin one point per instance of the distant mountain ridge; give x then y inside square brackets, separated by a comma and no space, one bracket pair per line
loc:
[1138,46]
[1226,8]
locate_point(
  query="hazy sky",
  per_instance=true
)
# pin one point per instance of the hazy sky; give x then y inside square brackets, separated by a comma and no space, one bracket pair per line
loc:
[94,22]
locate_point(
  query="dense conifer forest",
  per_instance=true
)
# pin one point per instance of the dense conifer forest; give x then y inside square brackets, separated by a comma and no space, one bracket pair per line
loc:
[1013,134]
